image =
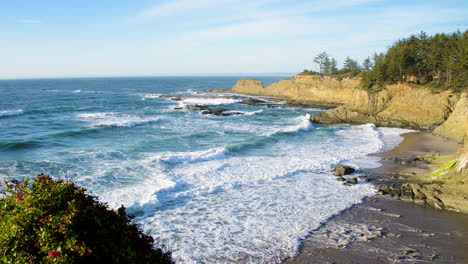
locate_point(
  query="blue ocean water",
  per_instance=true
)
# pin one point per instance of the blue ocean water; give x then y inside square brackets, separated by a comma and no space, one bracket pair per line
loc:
[214,189]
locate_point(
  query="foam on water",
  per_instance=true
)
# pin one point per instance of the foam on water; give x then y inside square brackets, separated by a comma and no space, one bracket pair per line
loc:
[77,91]
[192,157]
[208,101]
[241,189]
[250,209]
[240,113]
[6,113]
[152,95]
[115,119]
[302,124]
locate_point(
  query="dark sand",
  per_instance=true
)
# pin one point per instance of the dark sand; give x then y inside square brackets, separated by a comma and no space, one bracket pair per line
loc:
[385,230]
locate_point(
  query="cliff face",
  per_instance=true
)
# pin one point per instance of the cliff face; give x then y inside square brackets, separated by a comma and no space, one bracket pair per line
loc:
[403,106]
[395,106]
[303,89]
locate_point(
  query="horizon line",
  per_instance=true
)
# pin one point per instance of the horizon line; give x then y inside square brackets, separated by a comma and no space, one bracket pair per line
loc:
[268,74]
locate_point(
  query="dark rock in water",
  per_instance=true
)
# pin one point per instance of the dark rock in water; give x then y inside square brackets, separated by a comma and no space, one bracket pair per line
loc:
[340,178]
[210,111]
[171,97]
[341,170]
[352,181]
[253,102]
[196,107]
[257,102]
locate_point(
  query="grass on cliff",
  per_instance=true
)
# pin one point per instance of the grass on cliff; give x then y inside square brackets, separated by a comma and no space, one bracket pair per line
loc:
[55,221]
[443,168]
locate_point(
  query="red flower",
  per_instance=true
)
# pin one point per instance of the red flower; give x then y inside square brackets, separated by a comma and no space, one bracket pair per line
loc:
[54,254]
[19,199]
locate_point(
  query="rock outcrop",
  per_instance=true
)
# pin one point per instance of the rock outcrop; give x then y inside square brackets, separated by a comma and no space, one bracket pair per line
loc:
[445,113]
[404,106]
[311,89]
[452,127]
[396,106]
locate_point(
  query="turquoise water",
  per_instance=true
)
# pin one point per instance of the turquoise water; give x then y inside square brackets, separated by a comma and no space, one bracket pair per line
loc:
[233,189]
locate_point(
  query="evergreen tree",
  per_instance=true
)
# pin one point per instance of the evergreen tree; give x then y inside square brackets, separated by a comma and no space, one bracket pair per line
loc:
[350,65]
[327,66]
[333,66]
[320,60]
[367,64]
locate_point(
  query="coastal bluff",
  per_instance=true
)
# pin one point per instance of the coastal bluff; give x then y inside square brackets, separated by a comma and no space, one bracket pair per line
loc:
[444,113]
[305,89]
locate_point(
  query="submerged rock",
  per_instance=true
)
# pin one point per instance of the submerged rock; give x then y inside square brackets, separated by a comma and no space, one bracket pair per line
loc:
[340,178]
[352,181]
[341,170]
[253,102]
[258,102]
[210,111]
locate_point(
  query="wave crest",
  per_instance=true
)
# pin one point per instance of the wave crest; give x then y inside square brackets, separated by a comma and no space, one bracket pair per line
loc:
[193,157]
[7,113]
[208,101]
[303,124]
[116,119]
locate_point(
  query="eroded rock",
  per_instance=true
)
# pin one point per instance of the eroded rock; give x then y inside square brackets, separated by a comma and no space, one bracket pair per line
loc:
[341,170]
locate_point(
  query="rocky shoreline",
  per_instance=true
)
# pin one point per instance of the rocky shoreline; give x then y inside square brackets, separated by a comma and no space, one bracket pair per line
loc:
[429,170]
[390,230]
[445,114]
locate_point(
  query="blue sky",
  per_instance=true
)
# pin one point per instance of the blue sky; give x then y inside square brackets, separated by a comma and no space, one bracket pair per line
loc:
[201,37]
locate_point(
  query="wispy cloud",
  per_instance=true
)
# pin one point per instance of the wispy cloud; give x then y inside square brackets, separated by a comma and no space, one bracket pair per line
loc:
[176,7]
[28,21]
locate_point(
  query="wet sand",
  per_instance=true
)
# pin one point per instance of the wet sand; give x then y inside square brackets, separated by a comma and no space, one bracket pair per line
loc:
[385,230]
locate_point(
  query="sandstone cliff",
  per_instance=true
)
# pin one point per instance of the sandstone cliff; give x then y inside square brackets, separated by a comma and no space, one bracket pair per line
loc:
[399,105]
[404,106]
[303,89]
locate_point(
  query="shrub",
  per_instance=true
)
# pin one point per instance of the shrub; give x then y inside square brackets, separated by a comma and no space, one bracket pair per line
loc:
[55,221]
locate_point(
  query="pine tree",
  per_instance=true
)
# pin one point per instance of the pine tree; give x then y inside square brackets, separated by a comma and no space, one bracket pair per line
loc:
[319,60]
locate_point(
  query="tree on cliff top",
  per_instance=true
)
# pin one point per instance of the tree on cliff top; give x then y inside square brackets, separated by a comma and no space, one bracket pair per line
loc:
[52,221]
[320,61]
[440,61]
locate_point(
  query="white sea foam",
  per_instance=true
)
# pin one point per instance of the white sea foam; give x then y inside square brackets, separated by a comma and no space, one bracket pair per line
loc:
[302,124]
[77,91]
[116,119]
[213,207]
[240,113]
[5,113]
[192,157]
[152,95]
[208,101]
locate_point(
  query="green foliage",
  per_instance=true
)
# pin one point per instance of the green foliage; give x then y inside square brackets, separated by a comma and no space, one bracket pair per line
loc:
[328,66]
[52,221]
[307,72]
[440,62]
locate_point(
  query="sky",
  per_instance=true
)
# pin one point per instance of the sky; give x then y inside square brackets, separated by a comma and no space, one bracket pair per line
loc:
[87,38]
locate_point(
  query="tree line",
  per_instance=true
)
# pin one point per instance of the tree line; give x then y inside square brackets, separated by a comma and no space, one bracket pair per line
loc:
[439,61]
[328,65]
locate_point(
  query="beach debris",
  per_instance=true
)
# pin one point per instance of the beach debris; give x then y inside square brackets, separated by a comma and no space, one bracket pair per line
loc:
[341,170]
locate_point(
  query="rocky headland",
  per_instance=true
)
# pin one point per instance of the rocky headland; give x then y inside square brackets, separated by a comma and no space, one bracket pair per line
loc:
[441,184]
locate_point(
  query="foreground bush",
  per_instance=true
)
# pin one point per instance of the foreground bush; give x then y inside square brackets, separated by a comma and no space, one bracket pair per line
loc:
[52,221]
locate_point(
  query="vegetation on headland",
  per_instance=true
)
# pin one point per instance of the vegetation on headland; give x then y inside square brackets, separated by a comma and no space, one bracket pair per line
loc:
[55,221]
[439,62]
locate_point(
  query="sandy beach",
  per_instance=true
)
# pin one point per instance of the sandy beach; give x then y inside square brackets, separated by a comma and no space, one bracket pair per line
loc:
[386,230]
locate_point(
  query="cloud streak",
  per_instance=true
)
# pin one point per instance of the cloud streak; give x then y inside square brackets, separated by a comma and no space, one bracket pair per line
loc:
[28,21]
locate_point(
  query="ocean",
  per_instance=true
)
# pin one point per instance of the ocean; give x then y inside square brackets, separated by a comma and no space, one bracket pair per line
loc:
[243,188]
